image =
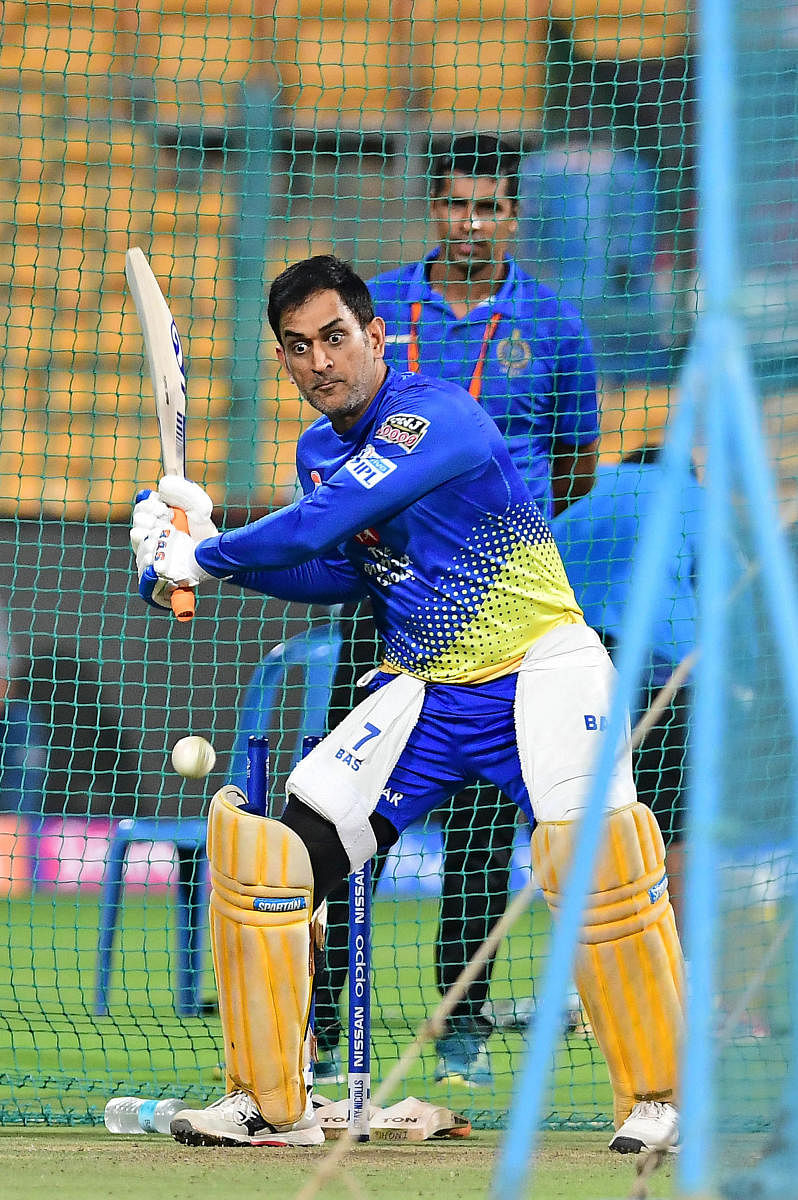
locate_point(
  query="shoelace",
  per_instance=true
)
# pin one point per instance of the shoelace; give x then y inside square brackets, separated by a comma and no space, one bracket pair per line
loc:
[652,1108]
[239,1102]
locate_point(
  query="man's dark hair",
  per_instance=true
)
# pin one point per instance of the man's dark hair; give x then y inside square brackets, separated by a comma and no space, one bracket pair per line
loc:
[321,273]
[644,455]
[651,453]
[477,154]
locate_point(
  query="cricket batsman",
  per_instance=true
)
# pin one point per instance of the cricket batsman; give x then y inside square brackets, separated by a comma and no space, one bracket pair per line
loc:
[490,674]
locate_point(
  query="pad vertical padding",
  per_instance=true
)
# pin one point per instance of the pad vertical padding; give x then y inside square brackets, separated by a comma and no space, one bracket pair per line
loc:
[629,968]
[261,901]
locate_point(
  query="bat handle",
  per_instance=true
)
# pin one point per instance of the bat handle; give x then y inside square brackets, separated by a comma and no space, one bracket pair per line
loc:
[182,599]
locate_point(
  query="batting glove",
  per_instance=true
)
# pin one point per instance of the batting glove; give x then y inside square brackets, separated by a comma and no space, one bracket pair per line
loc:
[165,560]
[195,502]
[149,515]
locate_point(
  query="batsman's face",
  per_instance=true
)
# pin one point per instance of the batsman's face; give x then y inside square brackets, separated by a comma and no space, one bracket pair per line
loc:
[476,222]
[336,365]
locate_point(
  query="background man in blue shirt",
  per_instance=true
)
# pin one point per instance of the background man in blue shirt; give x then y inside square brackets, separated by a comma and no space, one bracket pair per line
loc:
[468,313]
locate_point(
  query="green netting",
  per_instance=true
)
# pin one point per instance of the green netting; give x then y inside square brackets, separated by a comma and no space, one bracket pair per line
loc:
[227,141]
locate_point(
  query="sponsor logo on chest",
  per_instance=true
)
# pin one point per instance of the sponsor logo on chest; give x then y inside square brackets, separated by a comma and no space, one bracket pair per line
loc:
[403,429]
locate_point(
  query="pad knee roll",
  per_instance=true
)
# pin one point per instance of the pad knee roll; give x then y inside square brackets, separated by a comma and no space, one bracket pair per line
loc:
[261,902]
[629,969]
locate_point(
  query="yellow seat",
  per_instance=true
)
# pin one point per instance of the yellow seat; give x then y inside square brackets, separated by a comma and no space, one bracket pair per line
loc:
[197,63]
[26,332]
[23,395]
[342,67]
[633,416]
[68,47]
[624,29]
[478,66]
[284,418]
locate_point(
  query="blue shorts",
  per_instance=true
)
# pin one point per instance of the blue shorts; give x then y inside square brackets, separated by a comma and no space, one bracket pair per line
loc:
[464,734]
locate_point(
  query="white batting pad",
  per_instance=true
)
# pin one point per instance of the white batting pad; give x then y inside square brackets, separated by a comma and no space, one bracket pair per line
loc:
[562,702]
[343,777]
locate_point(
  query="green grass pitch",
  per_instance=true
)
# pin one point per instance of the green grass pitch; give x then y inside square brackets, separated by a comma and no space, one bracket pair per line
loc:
[60,1063]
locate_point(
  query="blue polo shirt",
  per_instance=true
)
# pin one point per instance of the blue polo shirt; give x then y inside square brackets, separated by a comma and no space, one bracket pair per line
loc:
[539,378]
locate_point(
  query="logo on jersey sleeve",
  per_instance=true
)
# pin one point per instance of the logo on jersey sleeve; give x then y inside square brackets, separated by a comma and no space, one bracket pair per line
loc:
[368,467]
[315,478]
[403,429]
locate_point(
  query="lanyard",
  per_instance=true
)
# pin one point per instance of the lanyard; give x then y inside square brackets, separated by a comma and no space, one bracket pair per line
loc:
[475,386]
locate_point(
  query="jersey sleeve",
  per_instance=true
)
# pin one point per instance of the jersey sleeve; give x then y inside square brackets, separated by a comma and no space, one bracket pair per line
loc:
[576,411]
[418,442]
[331,580]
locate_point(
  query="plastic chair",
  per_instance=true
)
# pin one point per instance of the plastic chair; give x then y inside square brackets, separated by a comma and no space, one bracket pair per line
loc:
[317,653]
[188,838]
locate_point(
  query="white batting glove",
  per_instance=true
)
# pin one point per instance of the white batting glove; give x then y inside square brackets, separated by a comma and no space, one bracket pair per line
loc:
[165,560]
[149,515]
[178,492]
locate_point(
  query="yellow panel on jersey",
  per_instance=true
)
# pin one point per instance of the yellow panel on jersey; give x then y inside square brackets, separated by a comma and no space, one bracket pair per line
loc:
[261,899]
[630,969]
[505,590]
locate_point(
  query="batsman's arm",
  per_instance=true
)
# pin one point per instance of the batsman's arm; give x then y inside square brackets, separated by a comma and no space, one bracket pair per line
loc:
[340,507]
[329,580]
[577,418]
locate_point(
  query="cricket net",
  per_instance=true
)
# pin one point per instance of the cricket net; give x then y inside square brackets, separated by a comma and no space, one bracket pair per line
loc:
[228,141]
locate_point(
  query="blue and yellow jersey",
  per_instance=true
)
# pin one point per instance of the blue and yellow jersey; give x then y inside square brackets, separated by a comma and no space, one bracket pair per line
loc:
[419,507]
[523,354]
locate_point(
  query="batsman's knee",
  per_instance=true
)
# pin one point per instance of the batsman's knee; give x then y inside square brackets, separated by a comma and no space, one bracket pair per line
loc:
[329,860]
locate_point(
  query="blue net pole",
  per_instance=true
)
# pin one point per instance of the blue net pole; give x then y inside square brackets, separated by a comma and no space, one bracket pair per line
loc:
[520,1141]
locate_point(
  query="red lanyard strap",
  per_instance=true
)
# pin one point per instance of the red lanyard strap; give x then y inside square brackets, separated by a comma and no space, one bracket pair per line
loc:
[413,359]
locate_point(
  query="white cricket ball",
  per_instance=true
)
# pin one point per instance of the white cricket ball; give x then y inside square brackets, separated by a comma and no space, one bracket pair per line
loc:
[193,757]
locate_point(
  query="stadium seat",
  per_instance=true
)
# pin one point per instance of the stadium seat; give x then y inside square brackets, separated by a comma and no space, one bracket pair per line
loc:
[70,49]
[316,655]
[188,838]
[285,417]
[608,29]
[632,417]
[191,60]
[343,66]
[78,189]
[480,68]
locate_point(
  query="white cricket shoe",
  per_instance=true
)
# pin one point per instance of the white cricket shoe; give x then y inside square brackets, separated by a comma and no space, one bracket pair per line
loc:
[235,1120]
[650,1125]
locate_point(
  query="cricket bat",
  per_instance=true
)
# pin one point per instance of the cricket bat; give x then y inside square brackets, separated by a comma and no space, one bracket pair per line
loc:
[168,375]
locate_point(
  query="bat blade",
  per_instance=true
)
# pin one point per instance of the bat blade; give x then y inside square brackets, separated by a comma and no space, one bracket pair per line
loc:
[168,375]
